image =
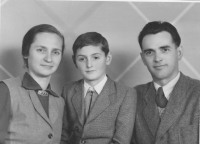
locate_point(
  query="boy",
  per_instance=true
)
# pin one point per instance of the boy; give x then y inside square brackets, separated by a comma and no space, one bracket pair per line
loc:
[168,107]
[98,110]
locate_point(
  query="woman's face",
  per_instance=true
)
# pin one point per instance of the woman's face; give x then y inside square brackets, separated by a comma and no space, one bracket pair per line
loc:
[45,54]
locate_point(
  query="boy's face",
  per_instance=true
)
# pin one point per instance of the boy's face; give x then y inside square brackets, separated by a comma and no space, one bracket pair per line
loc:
[161,56]
[45,54]
[92,62]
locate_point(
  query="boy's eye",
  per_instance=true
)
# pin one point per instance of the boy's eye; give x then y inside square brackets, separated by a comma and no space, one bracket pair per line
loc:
[57,52]
[96,57]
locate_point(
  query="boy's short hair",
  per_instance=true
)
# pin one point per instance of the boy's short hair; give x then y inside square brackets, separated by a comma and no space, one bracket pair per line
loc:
[30,37]
[158,26]
[90,38]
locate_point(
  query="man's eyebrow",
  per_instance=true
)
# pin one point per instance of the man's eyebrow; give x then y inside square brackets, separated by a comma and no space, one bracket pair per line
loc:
[149,49]
[165,46]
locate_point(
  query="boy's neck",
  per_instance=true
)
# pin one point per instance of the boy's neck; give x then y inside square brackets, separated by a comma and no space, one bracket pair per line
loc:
[93,83]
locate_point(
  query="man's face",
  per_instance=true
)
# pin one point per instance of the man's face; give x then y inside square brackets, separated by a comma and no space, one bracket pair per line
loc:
[161,56]
[91,62]
[45,54]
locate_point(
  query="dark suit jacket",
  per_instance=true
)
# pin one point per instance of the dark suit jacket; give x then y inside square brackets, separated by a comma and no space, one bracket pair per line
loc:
[110,121]
[179,122]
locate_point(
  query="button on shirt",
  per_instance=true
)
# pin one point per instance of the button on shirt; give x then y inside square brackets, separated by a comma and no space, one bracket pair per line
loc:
[167,89]
[98,87]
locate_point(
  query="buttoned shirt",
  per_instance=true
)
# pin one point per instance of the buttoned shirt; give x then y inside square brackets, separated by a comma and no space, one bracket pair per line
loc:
[98,87]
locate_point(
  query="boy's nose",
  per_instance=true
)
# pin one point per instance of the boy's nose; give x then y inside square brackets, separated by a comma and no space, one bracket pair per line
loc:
[89,63]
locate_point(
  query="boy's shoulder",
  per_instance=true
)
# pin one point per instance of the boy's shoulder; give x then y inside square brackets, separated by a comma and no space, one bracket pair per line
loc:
[117,85]
[73,84]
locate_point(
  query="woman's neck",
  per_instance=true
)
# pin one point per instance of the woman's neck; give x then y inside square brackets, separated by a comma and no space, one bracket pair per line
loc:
[42,81]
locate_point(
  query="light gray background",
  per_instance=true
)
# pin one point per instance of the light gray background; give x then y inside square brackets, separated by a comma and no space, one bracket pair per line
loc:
[120,22]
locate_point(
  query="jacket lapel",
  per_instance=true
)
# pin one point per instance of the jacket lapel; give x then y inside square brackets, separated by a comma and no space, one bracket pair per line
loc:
[102,101]
[173,109]
[151,113]
[38,106]
[77,100]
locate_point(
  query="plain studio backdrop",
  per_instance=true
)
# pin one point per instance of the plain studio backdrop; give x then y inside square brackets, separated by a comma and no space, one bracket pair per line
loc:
[118,21]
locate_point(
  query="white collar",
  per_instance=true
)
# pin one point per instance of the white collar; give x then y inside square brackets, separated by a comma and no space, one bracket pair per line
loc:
[167,89]
[98,87]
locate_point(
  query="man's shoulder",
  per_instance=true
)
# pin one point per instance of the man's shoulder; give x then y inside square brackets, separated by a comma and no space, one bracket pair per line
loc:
[119,86]
[190,82]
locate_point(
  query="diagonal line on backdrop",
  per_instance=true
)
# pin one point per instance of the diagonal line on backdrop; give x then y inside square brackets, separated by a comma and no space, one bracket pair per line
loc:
[138,57]
[86,14]
[7,72]
[138,11]
[68,30]
[53,16]
[173,22]
[128,68]
[184,59]
[191,67]
[182,13]
[3,2]
[84,17]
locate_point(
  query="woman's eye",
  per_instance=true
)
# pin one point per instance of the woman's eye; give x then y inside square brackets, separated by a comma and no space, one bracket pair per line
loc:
[40,50]
[56,52]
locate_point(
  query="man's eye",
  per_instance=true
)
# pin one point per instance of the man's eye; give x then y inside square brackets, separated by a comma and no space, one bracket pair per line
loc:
[148,53]
[96,57]
[165,50]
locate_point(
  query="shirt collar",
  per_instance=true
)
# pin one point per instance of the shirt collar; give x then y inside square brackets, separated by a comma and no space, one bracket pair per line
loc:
[29,83]
[98,87]
[167,89]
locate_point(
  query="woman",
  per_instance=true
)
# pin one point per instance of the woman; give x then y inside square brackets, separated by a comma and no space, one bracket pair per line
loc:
[30,112]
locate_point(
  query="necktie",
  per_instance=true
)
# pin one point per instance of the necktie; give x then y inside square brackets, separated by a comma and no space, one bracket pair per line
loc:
[161,100]
[88,101]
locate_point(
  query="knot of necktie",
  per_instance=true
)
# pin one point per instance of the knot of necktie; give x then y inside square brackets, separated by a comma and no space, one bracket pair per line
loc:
[161,100]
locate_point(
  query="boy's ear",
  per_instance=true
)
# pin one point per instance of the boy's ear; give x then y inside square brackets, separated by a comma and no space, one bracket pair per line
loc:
[74,60]
[108,58]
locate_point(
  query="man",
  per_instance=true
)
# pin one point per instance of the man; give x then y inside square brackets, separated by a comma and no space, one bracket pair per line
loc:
[168,107]
[98,110]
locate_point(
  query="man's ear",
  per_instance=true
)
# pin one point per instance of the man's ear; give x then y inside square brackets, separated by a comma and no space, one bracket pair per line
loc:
[74,60]
[142,57]
[180,52]
[108,58]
